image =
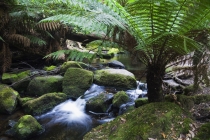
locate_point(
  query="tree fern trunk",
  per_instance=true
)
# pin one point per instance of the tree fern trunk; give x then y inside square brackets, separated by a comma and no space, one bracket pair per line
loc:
[154,83]
[5,58]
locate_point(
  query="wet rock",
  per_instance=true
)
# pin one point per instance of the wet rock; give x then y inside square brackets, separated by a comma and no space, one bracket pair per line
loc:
[118,78]
[44,84]
[44,103]
[76,81]
[18,80]
[120,98]
[116,64]
[99,103]
[8,99]
[26,127]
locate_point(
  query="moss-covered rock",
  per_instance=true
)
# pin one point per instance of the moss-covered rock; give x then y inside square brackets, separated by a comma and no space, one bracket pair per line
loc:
[44,103]
[141,101]
[24,100]
[98,103]
[120,98]
[19,81]
[119,78]
[72,64]
[8,99]
[26,127]
[162,120]
[76,81]
[50,68]
[44,84]
[188,102]
[203,132]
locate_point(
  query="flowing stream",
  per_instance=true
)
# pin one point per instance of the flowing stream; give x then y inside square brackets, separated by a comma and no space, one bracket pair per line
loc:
[69,120]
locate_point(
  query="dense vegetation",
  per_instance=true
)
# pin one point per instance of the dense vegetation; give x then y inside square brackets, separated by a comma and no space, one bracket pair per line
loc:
[155,32]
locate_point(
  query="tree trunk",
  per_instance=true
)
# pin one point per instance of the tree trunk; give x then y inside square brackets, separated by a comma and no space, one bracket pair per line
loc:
[154,83]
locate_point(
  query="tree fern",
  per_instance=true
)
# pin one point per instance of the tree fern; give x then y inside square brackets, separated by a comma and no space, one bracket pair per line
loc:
[71,55]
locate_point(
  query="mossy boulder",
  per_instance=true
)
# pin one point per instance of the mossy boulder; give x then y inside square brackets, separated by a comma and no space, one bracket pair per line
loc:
[44,84]
[8,99]
[188,102]
[72,64]
[120,98]
[76,81]
[163,120]
[19,80]
[99,103]
[203,132]
[141,101]
[44,103]
[119,78]
[26,127]
[22,101]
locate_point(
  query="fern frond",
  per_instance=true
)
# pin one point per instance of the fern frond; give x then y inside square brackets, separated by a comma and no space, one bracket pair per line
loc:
[17,38]
[36,40]
[70,55]
[49,26]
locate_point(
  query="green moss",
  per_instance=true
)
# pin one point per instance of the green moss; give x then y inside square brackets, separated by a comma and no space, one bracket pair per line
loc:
[97,104]
[148,121]
[24,100]
[113,50]
[141,101]
[120,98]
[44,84]
[27,126]
[49,68]
[19,80]
[76,81]
[44,103]
[72,64]
[188,101]
[203,132]
[188,90]
[8,99]
[9,78]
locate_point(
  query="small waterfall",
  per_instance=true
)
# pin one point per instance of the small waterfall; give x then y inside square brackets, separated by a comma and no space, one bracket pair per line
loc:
[140,91]
[93,91]
[67,120]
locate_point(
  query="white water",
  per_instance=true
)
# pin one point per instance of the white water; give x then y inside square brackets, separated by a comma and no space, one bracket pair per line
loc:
[69,115]
[140,91]
[69,119]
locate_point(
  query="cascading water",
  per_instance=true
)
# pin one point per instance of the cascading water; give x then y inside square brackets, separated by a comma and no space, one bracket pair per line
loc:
[67,121]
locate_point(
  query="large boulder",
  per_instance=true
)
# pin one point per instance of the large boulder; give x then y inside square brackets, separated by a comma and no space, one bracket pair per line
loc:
[76,81]
[44,84]
[8,99]
[19,80]
[119,78]
[161,120]
[120,98]
[44,103]
[99,103]
[26,127]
